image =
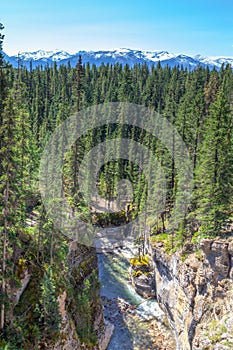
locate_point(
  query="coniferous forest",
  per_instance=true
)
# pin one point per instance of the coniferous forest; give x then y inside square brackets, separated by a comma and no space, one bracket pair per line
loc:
[199,103]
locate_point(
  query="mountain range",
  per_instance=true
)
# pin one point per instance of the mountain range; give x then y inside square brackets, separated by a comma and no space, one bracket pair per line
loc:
[122,56]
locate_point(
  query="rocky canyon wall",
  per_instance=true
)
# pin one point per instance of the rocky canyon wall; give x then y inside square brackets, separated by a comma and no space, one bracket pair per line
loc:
[194,287]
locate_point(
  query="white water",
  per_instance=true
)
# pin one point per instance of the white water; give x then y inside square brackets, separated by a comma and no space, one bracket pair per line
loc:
[113,274]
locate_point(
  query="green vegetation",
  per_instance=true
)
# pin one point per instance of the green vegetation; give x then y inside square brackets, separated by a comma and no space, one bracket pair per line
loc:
[171,243]
[137,273]
[87,304]
[49,307]
[199,254]
[33,103]
[140,261]
[140,266]
[215,331]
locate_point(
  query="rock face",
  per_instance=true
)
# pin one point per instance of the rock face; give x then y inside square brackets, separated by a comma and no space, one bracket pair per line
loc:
[196,293]
[142,279]
[144,285]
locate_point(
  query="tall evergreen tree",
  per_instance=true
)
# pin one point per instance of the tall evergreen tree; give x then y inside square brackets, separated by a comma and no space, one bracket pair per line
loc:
[214,174]
[14,134]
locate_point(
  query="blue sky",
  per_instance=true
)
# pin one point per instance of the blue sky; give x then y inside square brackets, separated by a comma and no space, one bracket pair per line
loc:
[190,27]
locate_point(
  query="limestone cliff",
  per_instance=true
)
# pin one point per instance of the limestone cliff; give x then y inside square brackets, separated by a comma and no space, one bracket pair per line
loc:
[194,286]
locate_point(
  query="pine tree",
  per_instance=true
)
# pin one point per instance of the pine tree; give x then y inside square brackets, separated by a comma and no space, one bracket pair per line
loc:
[49,307]
[14,177]
[3,79]
[5,189]
[214,175]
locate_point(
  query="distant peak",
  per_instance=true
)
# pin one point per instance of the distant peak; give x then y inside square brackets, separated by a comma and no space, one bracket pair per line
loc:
[121,55]
[55,55]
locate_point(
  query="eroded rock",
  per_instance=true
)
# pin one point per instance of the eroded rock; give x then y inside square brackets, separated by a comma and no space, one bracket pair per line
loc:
[196,293]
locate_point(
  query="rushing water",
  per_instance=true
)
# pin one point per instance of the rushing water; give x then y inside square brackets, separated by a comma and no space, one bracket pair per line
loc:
[133,330]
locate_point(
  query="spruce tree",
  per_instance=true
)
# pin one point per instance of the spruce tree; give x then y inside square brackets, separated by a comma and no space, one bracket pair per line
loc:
[14,134]
[214,174]
[49,307]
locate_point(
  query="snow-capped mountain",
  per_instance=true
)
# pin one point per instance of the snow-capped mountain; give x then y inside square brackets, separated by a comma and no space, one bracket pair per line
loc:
[121,56]
[216,61]
[45,55]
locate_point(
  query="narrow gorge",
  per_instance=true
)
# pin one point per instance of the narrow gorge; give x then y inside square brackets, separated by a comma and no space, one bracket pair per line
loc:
[194,287]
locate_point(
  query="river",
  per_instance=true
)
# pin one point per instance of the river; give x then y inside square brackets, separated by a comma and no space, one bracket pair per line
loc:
[138,322]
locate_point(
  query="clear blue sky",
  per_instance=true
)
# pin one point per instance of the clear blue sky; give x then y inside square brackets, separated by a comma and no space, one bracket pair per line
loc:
[191,27]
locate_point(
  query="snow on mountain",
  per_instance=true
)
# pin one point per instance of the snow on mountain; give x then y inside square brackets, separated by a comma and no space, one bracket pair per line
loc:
[37,55]
[158,56]
[152,56]
[215,61]
[41,54]
[121,55]
[60,55]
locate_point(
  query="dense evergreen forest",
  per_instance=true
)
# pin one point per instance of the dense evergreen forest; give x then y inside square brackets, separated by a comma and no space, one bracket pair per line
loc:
[34,102]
